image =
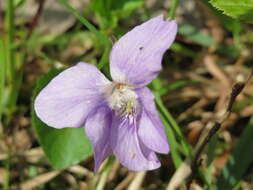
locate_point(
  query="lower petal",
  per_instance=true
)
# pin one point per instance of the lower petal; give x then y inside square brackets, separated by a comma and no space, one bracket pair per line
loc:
[97,128]
[127,147]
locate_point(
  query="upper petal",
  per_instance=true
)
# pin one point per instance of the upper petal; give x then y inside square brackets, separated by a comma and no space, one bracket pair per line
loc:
[136,58]
[97,128]
[151,129]
[70,96]
[128,149]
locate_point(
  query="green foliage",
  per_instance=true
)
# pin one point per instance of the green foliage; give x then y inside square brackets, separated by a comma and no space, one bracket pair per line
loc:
[239,162]
[238,9]
[62,147]
[100,36]
[177,141]
[19,3]
[11,65]
[193,34]
[229,23]
[2,74]
[110,11]
[176,85]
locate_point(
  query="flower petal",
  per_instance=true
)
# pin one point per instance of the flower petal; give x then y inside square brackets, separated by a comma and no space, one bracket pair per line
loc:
[70,96]
[127,147]
[151,130]
[97,128]
[136,58]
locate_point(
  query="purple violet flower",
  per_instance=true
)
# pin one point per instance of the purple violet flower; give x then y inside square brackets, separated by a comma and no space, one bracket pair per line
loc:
[120,117]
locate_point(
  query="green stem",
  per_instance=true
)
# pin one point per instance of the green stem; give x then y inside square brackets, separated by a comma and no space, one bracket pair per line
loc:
[6,176]
[104,60]
[171,120]
[10,39]
[173,143]
[163,110]
[9,68]
[105,173]
[172,12]
[2,75]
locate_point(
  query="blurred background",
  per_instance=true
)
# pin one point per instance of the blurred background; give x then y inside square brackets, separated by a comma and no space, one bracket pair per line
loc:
[212,51]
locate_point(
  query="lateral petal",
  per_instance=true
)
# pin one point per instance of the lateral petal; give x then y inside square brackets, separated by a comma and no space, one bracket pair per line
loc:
[71,96]
[151,130]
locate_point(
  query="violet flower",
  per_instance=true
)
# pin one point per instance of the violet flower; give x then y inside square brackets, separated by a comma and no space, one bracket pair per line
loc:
[120,117]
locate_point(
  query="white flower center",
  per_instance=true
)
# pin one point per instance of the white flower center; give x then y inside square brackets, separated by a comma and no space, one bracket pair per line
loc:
[122,99]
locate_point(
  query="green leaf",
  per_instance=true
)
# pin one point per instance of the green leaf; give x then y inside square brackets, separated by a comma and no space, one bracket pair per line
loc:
[62,147]
[239,162]
[229,23]
[127,7]
[192,33]
[110,11]
[238,9]
[19,3]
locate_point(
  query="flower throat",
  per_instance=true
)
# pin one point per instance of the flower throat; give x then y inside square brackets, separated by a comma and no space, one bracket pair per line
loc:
[122,99]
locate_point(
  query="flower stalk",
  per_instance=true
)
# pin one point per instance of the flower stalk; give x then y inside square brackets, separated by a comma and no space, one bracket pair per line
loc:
[172,12]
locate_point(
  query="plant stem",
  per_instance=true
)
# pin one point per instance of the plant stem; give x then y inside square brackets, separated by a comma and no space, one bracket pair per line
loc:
[173,123]
[172,12]
[173,143]
[167,116]
[8,73]
[10,38]
[105,173]
[7,174]
[2,75]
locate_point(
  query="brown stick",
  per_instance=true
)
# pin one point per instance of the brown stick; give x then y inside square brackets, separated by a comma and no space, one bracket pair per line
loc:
[236,90]
[34,21]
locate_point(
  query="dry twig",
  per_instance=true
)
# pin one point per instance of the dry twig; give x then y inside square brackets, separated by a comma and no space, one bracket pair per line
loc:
[126,181]
[41,179]
[189,167]
[136,183]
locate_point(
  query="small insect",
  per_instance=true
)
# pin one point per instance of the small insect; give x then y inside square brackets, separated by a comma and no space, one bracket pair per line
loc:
[133,155]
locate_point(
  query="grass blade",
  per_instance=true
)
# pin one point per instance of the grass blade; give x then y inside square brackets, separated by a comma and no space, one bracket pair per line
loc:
[10,39]
[2,74]
[102,38]
[173,143]
[239,162]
